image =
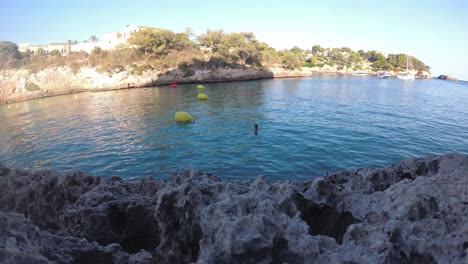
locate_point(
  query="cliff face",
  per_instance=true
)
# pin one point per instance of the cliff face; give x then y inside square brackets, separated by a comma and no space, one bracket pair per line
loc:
[23,85]
[413,212]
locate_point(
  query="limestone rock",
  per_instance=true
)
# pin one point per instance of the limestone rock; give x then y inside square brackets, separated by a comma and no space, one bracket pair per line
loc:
[446,77]
[23,242]
[63,80]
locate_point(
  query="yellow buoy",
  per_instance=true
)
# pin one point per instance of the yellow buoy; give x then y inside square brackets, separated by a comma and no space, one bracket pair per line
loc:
[183,117]
[200,88]
[202,96]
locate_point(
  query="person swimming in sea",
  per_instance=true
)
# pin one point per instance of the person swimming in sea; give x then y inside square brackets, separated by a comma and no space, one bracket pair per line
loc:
[256,129]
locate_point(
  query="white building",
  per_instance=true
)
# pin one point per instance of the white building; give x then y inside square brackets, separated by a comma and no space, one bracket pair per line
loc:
[109,41]
[87,47]
[62,47]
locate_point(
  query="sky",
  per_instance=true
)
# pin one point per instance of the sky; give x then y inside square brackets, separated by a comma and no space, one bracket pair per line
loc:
[435,32]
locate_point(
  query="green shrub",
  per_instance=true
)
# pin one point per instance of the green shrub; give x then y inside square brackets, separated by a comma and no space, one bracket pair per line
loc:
[31,87]
[187,69]
[138,70]
[55,53]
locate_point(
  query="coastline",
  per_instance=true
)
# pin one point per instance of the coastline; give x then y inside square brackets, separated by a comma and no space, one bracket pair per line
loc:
[14,85]
[22,85]
[414,211]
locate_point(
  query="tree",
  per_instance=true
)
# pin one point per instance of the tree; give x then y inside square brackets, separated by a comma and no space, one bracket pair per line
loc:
[381,64]
[337,56]
[26,55]
[402,61]
[354,58]
[362,53]
[249,54]
[181,41]
[269,56]
[393,60]
[346,49]
[249,36]
[190,33]
[373,56]
[211,39]
[241,47]
[9,51]
[316,49]
[41,52]
[55,53]
[398,62]
[297,50]
[152,41]
[234,40]
[419,65]
[9,54]
[93,38]
[291,60]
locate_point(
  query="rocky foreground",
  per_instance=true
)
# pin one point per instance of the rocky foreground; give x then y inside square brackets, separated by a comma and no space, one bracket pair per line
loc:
[413,212]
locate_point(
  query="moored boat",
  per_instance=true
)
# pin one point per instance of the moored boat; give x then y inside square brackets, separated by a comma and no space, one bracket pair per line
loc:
[383,75]
[408,74]
[359,73]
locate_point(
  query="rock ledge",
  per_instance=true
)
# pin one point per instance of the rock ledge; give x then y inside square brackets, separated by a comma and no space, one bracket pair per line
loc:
[412,212]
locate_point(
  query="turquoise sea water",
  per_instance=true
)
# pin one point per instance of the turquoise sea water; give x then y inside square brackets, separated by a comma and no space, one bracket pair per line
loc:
[307,127]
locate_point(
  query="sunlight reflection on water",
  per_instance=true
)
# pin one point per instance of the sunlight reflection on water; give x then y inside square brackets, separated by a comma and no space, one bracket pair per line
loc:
[308,127]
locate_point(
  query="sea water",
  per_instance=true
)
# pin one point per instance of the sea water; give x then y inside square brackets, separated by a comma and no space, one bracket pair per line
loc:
[306,127]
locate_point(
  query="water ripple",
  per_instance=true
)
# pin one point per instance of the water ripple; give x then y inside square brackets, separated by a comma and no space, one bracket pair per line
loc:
[308,127]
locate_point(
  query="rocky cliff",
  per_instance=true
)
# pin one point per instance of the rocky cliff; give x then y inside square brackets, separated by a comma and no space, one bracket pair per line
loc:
[413,212]
[18,85]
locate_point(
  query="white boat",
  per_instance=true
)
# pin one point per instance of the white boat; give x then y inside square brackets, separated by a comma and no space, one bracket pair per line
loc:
[359,73]
[383,75]
[407,75]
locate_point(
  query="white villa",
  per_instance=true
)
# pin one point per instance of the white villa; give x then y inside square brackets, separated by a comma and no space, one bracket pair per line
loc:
[109,41]
[62,47]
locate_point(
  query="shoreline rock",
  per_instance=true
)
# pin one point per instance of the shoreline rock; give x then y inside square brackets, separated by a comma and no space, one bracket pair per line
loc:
[21,85]
[412,212]
[448,78]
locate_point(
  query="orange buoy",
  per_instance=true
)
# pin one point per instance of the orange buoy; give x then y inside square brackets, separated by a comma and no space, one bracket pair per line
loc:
[173,85]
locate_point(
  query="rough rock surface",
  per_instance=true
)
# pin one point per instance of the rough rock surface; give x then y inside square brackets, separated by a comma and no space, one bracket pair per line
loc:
[446,77]
[15,84]
[413,212]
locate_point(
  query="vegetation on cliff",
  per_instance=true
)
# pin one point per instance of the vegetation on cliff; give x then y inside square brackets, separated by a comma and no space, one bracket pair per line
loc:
[160,50]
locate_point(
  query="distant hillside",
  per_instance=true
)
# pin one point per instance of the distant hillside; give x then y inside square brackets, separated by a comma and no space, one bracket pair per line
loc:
[151,49]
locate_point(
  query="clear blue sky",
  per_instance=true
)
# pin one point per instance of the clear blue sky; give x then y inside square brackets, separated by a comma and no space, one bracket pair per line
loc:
[435,32]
